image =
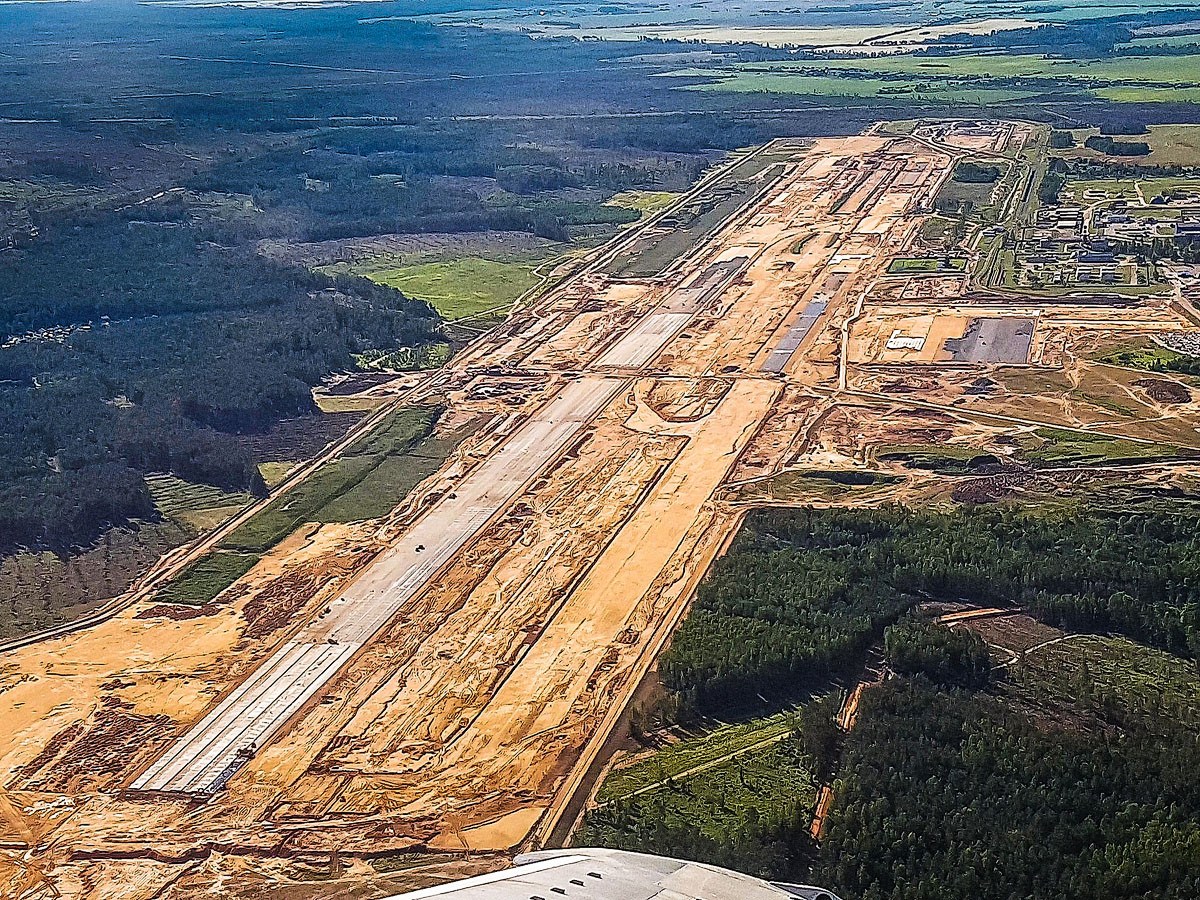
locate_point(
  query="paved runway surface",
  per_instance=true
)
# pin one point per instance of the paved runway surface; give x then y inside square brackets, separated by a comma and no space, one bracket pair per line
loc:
[204,758]
[993,340]
[643,342]
[779,357]
[207,756]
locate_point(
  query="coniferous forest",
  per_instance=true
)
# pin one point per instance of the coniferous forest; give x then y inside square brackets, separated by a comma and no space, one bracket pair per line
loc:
[803,593]
[165,355]
[950,793]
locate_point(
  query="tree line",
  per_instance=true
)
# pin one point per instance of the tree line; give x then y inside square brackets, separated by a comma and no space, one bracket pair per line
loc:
[801,594]
[178,346]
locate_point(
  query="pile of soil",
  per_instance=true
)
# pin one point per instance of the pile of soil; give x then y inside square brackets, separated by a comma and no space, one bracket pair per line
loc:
[1163,391]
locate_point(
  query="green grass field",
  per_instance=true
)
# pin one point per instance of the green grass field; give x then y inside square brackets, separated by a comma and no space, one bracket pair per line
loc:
[1142,356]
[926,265]
[979,77]
[1058,447]
[274,472]
[1167,40]
[1174,144]
[198,506]
[1091,191]
[1148,94]
[301,504]
[202,581]
[330,494]
[695,751]
[1170,145]
[1167,70]
[463,287]
[379,491]
[645,202]
[772,82]
[772,784]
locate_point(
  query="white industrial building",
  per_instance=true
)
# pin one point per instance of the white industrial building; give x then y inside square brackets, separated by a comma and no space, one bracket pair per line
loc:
[590,874]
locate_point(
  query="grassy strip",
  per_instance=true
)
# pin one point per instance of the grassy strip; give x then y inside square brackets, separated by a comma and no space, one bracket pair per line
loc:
[369,480]
[1126,70]
[825,484]
[687,225]
[854,87]
[385,485]
[1059,447]
[309,502]
[204,579]
[927,265]
[695,751]
[1043,448]
[645,202]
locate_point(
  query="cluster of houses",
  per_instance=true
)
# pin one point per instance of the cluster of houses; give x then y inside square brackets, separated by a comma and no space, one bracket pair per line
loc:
[1143,226]
[1104,243]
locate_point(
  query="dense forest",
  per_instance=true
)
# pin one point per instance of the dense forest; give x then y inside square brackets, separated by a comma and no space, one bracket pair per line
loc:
[1051,185]
[949,793]
[123,268]
[969,172]
[759,626]
[944,793]
[166,346]
[363,181]
[947,657]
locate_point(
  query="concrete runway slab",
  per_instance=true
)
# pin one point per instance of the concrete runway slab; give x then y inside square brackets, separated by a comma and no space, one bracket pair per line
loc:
[204,758]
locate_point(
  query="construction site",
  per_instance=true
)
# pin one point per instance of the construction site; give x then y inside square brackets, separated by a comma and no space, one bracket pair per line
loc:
[386,703]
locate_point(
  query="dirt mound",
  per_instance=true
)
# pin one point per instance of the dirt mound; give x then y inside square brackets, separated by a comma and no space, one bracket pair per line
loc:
[88,756]
[274,605]
[1163,391]
[178,613]
[992,489]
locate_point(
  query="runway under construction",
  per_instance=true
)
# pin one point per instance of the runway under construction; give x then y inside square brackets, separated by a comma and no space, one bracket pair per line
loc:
[443,680]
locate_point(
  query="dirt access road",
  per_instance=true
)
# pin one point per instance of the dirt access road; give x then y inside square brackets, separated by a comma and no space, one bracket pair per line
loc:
[444,678]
